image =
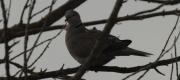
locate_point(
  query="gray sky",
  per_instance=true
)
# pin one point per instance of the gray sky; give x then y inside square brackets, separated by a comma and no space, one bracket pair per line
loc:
[147,35]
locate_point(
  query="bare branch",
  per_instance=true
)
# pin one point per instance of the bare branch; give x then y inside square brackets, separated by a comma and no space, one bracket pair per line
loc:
[6,47]
[175,52]
[23,11]
[172,69]
[45,48]
[15,64]
[26,38]
[35,14]
[9,9]
[150,10]
[35,27]
[33,47]
[162,52]
[140,77]
[57,73]
[45,24]
[159,71]
[166,2]
[42,29]
[16,31]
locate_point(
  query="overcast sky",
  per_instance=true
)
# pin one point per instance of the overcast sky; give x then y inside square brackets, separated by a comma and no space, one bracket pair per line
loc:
[147,35]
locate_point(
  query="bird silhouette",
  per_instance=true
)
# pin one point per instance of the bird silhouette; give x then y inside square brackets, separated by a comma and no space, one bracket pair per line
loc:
[80,41]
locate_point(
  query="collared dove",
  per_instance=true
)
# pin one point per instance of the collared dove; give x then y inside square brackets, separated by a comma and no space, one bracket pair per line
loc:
[80,41]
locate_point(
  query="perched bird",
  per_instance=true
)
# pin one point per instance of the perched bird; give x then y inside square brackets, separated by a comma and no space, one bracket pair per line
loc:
[80,41]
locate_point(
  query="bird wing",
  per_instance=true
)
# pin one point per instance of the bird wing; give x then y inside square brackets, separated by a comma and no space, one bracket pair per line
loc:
[120,48]
[113,43]
[117,47]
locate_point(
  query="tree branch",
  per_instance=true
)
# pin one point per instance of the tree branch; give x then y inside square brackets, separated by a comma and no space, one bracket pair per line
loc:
[6,46]
[18,29]
[166,2]
[58,73]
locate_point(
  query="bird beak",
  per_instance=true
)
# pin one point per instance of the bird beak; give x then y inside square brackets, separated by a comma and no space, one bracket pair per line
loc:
[66,25]
[66,20]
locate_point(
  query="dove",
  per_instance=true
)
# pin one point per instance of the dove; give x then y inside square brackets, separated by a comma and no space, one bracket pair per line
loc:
[80,41]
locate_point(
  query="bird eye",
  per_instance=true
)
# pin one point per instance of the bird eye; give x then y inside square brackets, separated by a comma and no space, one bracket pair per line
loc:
[68,17]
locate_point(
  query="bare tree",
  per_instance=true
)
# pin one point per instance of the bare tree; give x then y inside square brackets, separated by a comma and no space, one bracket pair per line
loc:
[29,28]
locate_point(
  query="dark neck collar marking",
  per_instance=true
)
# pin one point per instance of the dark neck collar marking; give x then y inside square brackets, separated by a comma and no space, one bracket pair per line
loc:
[77,26]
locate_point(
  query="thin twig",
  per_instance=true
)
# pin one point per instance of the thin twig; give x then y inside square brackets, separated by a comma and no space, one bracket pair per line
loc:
[31,8]
[160,56]
[172,69]
[45,48]
[159,71]
[35,14]
[175,53]
[32,48]
[162,52]
[40,55]
[42,28]
[14,43]
[150,10]
[9,9]
[23,11]
[143,75]
[175,42]
[16,73]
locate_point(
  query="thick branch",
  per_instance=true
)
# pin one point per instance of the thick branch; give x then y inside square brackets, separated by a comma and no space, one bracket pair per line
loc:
[166,2]
[61,73]
[18,30]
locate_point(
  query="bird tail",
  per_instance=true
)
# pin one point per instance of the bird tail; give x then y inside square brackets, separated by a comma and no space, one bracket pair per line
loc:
[130,51]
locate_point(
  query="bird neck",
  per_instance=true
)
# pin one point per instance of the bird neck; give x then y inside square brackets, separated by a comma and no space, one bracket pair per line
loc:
[79,25]
[76,29]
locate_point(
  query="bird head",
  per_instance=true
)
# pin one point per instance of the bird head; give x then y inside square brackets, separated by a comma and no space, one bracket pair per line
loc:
[72,17]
